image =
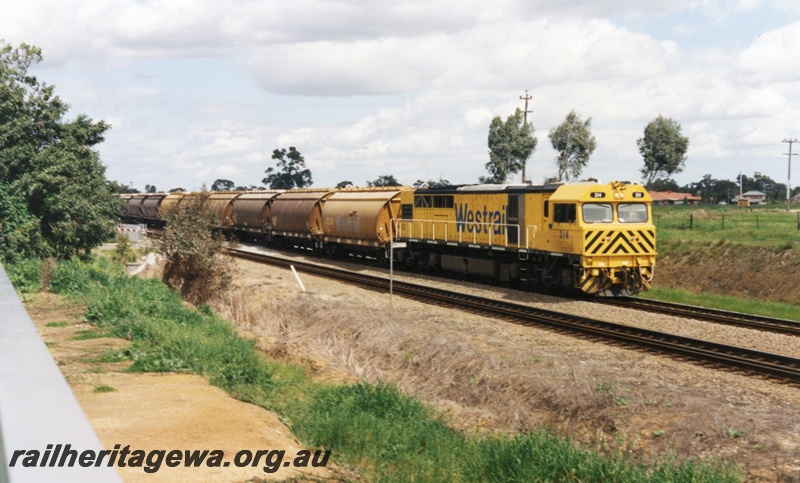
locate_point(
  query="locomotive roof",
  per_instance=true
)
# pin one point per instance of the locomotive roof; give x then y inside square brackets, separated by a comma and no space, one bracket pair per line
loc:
[489,188]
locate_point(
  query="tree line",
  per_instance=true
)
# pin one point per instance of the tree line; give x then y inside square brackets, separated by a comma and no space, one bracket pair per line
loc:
[511,143]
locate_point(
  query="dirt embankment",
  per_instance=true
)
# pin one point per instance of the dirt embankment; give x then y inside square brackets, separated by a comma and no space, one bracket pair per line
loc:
[737,270]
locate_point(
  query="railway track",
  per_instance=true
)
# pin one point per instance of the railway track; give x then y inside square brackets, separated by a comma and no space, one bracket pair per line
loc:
[757,322]
[775,366]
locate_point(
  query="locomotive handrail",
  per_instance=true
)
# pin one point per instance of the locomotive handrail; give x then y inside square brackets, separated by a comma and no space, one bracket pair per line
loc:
[506,229]
[530,235]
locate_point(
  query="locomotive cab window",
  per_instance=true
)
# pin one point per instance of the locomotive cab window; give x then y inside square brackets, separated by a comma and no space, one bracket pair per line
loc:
[564,212]
[597,213]
[632,213]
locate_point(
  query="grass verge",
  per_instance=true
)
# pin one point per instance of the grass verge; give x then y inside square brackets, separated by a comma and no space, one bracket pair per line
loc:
[386,434]
[725,302]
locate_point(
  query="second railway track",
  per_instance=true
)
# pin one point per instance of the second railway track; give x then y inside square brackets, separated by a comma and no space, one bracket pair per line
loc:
[775,366]
[779,326]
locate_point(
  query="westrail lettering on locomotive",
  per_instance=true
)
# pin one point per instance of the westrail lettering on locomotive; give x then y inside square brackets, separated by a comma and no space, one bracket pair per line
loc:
[348,224]
[480,220]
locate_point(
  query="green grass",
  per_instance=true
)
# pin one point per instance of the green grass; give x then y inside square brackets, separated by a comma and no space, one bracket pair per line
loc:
[88,334]
[102,389]
[768,225]
[725,302]
[62,323]
[386,434]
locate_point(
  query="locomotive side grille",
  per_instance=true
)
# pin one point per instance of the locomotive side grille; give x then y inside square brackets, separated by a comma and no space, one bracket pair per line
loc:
[619,242]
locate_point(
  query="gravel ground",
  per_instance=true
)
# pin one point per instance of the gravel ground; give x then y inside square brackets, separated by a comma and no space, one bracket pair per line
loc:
[490,375]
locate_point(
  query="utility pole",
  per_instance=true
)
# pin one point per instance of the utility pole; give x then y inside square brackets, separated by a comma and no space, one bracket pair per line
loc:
[526,98]
[789,177]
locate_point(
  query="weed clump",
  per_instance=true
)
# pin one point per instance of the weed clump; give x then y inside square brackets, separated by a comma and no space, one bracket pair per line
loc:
[123,252]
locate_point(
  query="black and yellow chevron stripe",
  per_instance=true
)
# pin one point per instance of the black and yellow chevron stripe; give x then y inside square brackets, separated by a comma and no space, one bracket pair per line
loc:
[619,242]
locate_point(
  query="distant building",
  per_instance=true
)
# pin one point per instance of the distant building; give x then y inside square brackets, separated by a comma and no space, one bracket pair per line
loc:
[795,199]
[755,197]
[673,198]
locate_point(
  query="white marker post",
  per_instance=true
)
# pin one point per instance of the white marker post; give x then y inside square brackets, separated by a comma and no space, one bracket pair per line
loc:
[391,269]
[299,282]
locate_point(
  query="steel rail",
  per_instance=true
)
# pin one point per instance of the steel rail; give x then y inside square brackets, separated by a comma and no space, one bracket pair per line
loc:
[757,322]
[776,366]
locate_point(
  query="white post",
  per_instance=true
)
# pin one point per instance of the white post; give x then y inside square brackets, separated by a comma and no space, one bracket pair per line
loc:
[299,282]
[391,273]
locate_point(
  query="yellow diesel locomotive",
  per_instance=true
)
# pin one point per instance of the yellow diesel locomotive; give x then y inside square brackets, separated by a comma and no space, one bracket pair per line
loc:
[598,239]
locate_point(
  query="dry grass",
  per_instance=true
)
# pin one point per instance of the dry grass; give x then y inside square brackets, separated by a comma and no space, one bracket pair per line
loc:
[480,384]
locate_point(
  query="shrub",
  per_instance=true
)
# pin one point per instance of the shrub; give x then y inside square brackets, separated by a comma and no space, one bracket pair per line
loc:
[123,252]
[25,274]
[192,247]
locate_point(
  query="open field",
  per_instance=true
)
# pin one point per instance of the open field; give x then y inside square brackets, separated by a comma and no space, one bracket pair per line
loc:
[767,225]
[746,265]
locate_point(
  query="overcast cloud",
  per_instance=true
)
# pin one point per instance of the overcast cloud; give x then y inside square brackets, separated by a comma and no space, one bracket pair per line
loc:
[200,90]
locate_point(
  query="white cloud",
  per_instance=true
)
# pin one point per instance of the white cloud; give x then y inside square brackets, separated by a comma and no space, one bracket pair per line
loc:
[406,88]
[772,57]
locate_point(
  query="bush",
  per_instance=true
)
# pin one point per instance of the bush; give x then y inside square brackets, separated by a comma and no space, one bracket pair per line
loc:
[25,274]
[123,252]
[192,247]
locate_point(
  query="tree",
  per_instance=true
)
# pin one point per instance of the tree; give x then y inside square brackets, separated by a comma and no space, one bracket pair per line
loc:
[384,180]
[223,185]
[56,201]
[119,188]
[150,188]
[710,189]
[664,184]
[192,248]
[291,172]
[432,183]
[575,144]
[511,143]
[663,149]
[344,184]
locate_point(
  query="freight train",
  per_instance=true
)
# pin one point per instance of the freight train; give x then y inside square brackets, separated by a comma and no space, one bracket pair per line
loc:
[598,239]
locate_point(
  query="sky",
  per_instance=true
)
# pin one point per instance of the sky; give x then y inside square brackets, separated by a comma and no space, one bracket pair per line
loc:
[202,90]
